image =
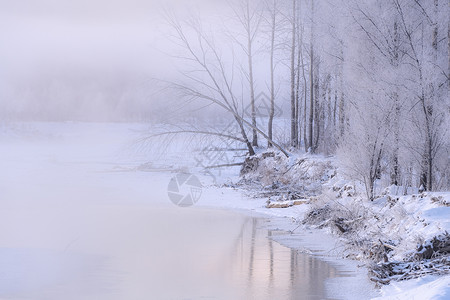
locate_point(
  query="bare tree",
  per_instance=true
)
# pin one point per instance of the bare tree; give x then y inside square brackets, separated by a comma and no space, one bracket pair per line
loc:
[311,83]
[300,70]
[273,10]
[385,38]
[426,92]
[209,79]
[305,90]
[294,124]
[250,20]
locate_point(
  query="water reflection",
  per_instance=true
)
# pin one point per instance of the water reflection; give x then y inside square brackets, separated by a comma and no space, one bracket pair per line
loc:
[273,271]
[142,252]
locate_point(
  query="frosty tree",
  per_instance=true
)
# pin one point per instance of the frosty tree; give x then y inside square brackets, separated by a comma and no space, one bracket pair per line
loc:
[366,80]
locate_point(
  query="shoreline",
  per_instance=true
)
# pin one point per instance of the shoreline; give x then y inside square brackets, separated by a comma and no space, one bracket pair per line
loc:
[315,242]
[386,233]
[424,215]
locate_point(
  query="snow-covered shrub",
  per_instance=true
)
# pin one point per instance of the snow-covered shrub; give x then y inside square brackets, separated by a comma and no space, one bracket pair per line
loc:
[338,216]
[430,257]
[440,200]
[265,168]
[305,174]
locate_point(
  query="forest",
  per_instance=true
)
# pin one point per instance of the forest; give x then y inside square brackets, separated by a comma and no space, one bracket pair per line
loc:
[366,81]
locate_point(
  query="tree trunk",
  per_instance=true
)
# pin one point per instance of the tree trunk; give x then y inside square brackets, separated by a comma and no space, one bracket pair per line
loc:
[305,95]
[293,108]
[311,83]
[342,98]
[297,99]
[428,108]
[311,100]
[250,74]
[395,176]
[272,75]
[317,109]
[330,130]
[251,151]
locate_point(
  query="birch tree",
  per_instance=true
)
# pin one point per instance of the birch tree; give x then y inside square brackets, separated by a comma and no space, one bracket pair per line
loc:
[249,17]
[311,84]
[273,12]
[294,124]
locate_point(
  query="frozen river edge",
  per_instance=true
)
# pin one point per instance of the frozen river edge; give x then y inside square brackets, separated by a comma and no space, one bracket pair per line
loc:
[314,242]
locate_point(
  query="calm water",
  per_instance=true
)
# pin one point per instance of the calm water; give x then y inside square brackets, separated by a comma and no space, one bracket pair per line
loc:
[164,253]
[70,228]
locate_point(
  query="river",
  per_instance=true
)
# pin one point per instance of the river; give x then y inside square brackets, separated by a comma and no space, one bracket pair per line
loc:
[74,226]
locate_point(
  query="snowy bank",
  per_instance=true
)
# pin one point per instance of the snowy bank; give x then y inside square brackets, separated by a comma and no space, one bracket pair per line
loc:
[402,239]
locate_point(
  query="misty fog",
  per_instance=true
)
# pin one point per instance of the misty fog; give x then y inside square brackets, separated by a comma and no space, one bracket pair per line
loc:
[87,60]
[209,149]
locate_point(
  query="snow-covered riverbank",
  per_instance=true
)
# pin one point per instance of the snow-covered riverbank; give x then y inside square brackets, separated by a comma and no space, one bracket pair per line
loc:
[306,240]
[393,221]
[394,231]
[326,245]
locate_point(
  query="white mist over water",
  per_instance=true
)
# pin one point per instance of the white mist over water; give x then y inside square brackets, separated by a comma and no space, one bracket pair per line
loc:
[77,222]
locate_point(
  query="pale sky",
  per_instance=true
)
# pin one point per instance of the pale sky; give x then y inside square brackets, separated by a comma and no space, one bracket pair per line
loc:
[97,31]
[55,49]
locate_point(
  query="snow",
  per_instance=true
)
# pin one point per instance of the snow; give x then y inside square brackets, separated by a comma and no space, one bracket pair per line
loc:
[428,287]
[408,219]
[404,220]
[311,241]
[439,216]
